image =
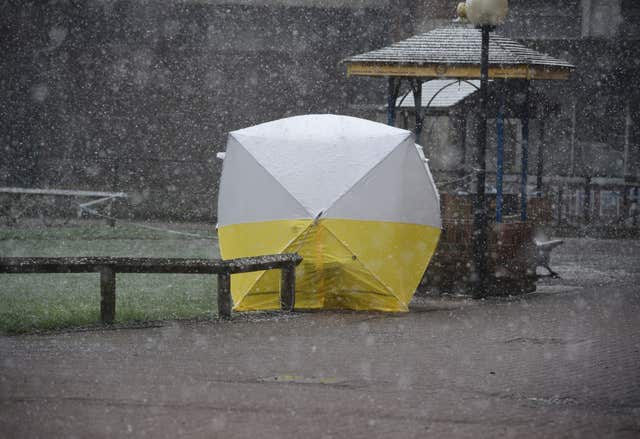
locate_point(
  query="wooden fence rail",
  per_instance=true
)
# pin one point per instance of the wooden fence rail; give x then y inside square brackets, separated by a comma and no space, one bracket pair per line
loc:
[109,266]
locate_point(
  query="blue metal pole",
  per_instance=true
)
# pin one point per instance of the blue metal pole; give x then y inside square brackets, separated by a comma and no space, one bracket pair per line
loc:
[500,158]
[525,157]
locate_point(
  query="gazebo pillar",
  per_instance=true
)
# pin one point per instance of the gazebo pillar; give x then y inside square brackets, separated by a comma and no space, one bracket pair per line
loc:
[392,96]
[525,155]
[416,88]
[540,161]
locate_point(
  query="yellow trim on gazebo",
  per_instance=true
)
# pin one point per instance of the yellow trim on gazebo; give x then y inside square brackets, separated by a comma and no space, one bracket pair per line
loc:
[456,71]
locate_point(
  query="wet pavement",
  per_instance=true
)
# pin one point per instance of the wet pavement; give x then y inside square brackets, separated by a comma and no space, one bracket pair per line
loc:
[561,362]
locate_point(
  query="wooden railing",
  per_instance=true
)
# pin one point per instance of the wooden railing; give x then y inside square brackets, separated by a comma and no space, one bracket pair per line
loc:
[109,266]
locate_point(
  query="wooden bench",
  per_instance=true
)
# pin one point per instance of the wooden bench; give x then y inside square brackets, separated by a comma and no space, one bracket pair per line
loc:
[109,266]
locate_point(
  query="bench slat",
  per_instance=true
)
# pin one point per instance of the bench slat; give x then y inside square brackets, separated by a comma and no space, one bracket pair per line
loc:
[145,265]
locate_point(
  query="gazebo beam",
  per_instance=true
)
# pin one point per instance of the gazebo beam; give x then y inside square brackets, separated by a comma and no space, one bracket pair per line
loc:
[442,71]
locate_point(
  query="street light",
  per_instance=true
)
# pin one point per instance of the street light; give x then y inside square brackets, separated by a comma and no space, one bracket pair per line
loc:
[485,15]
[486,12]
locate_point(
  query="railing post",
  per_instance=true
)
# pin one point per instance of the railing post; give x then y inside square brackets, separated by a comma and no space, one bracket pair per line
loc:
[224,295]
[288,287]
[107,294]
[111,221]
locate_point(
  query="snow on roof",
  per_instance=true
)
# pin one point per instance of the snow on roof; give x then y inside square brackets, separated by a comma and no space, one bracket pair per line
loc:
[457,44]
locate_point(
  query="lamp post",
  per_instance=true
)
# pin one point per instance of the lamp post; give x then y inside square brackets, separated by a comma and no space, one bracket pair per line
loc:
[485,15]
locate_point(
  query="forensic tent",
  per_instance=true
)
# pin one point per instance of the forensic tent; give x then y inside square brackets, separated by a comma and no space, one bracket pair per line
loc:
[354,198]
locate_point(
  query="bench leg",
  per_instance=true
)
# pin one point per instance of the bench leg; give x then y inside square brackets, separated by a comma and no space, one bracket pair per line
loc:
[224,296]
[288,288]
[107,295]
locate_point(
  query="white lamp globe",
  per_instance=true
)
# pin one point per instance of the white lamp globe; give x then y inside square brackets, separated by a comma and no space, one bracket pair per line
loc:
[487,12]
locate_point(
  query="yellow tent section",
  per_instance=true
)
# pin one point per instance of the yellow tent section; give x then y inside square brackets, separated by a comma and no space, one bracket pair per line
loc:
[353,197]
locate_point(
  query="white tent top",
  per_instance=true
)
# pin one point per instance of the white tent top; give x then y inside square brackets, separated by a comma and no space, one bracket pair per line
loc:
[304,166]
[327,127]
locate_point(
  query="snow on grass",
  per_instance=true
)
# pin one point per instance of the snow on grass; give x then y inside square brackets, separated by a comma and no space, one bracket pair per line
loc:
[45,301]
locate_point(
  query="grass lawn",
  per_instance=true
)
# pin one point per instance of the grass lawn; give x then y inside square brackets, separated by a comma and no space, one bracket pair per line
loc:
[46,301]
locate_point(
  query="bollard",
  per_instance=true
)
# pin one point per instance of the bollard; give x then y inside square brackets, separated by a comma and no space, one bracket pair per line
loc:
[224,296]
[288,287]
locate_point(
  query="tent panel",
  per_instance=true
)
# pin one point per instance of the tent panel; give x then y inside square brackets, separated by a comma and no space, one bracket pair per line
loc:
[332,272]
[317,172]
[256,239]
[396,253]
[248,193]
[264,294]
[399,189]
[329,277]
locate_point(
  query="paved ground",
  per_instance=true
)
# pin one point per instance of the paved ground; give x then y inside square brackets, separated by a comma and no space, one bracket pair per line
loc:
[564,362]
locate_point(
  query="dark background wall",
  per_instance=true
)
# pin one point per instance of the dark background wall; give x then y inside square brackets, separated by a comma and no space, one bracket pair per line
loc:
[139,95]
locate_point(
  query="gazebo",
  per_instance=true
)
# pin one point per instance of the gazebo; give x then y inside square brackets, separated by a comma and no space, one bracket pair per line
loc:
[454,52]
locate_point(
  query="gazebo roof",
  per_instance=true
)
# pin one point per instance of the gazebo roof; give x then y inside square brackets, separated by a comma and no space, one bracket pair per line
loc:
[454,52]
